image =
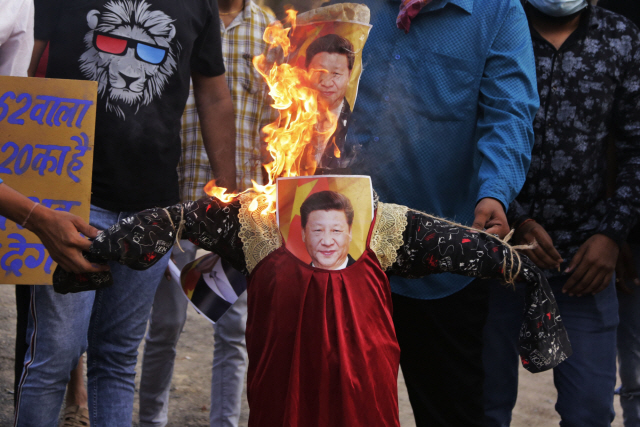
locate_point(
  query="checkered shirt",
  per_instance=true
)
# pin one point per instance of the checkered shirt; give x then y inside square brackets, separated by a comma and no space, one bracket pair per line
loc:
[241,41]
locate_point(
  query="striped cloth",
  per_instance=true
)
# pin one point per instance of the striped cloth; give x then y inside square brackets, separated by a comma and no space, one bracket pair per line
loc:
[241,41]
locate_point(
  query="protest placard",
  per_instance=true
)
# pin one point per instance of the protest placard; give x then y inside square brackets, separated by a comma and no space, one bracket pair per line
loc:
[46,153]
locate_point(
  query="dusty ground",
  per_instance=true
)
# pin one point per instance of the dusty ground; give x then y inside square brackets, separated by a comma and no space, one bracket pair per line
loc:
[191,381]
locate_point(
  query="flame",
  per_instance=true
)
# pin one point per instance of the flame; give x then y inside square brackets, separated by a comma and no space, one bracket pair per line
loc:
[302,119]
[218,192]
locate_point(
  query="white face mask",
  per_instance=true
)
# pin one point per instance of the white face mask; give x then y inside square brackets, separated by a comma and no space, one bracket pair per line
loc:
[559,7]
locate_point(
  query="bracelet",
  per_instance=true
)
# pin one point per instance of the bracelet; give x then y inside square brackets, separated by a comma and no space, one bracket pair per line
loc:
[29,214]
[524,222]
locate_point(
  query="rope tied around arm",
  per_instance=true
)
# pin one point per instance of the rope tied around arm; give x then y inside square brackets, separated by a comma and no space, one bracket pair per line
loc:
[181,225]
[510,274]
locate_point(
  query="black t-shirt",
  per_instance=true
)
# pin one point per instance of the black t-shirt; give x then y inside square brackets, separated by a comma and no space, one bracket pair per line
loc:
[141,52]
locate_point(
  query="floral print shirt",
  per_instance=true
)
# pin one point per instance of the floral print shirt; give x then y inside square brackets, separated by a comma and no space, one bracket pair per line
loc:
[589,89]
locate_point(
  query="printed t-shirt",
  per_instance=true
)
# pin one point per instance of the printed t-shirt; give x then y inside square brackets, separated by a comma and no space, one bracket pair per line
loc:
[142,53]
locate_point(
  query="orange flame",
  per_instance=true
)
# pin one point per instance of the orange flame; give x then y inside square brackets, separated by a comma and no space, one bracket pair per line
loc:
[218,192]
[302,120]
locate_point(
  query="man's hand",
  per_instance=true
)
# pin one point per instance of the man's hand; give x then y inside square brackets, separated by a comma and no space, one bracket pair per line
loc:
[544,255]
[59,232]
[593,266]
[490,217]
[626,270]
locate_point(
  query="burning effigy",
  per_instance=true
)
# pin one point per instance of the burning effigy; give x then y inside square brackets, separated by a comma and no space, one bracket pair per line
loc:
[320,334]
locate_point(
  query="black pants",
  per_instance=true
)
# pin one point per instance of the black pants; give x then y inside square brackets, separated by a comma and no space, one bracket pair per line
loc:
[441,355]
[23,295]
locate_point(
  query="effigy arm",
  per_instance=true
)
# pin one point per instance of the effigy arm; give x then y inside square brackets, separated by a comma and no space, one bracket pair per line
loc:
[425,245]
[141,240]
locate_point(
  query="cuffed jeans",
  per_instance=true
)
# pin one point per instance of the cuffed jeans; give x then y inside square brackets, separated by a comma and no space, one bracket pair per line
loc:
[629,350]
[109,324]
[585,381]
[229,354]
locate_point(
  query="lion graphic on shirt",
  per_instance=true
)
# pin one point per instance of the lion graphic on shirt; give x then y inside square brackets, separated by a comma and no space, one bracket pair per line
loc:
[123,78]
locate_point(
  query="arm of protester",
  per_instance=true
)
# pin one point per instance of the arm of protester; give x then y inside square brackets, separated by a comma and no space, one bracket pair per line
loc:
[217,125]
[544,254]
[507,104]
[592,267]
[626,272]
[594,264]
[46,17]
[38,49]
[624,205]
[57,230]
[491,217]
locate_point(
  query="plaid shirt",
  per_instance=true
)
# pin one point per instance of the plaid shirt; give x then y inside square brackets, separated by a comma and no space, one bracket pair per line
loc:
[241,41]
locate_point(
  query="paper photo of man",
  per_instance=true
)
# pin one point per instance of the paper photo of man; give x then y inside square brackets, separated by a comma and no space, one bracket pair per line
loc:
[329,60]
[327,42]
[325,220]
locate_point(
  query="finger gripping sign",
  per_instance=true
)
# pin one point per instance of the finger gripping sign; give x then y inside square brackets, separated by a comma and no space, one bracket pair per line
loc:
[46,153]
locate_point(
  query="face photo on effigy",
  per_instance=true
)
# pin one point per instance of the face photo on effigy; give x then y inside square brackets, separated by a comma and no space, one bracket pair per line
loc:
[327,44]
[331,52]
[324,221]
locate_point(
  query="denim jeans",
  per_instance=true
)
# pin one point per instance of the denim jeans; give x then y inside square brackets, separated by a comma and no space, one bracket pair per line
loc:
[229,354]
[585,381]
[109,324]
[629,350]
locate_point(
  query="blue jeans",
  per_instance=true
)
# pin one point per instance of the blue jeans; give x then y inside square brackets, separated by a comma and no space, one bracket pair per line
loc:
[585,381]
[109,324]
[629,350]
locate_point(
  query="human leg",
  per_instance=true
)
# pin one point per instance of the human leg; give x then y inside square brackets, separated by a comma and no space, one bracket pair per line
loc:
[23,298]
[118,323]
[441,355]
[585,381]
[76,411]
[167,319]
[57,334]
[229,365]
[629,350]
[500,352]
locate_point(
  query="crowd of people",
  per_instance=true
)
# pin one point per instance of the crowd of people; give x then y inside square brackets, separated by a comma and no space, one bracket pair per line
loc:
[500,115]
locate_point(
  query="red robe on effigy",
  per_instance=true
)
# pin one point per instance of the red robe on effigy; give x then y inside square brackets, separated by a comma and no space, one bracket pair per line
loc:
[321,343]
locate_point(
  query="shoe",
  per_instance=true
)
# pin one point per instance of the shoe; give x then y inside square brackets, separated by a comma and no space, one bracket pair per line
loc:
[75,416]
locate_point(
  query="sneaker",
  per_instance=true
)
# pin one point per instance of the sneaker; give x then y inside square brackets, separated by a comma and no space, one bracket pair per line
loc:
[75,416]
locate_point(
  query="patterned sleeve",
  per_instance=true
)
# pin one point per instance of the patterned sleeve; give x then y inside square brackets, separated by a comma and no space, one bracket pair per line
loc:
[140,240]
[433,245]
[624,206]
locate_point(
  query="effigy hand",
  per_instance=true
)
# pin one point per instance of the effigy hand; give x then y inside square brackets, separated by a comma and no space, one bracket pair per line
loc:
[140,240]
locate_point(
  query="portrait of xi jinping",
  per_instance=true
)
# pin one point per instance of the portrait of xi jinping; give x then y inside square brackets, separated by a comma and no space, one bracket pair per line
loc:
[327,219]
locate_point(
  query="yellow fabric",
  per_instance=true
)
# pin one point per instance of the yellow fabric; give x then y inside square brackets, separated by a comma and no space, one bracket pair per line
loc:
[259,233]
[386,239]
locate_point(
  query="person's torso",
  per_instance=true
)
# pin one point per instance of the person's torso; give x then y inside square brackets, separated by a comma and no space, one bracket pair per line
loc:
[414,126]
[139,52]
[578,85]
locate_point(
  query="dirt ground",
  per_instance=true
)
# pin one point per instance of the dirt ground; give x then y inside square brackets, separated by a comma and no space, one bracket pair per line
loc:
[192,380]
